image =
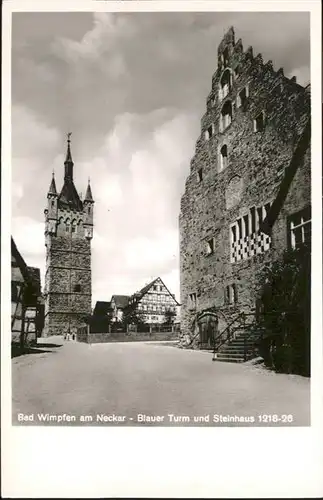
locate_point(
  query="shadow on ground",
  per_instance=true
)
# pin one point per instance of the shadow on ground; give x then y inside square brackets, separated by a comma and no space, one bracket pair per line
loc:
[36,349]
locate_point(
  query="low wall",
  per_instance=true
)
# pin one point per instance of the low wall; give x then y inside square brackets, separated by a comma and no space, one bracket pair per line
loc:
[95,338]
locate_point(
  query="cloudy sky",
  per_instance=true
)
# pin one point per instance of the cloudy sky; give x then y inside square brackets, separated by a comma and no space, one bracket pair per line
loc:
[132,88]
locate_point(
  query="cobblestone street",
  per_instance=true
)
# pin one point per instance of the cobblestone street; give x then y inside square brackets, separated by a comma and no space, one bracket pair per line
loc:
[114,383]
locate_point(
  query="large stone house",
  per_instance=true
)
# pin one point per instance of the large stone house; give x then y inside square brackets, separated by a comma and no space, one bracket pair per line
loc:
[244,172]
[68,235]
[27,309]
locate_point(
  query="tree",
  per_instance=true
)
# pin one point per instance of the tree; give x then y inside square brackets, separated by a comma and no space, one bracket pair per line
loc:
[285,312]
[132,316]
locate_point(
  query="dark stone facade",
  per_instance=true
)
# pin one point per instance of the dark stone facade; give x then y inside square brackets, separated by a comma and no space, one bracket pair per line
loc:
[254,118]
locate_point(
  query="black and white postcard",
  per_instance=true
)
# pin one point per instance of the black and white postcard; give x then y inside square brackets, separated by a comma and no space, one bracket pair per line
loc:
[162,213]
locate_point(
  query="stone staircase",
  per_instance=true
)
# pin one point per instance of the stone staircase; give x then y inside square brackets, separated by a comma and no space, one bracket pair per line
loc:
[242,346]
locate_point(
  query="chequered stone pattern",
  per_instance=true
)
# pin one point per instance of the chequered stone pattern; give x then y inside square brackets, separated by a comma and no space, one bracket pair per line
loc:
[249,246]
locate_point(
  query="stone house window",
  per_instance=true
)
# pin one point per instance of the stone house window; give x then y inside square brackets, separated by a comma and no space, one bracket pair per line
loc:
[210,246]
[299,228]
[231,294]
[209,132]
[225,84]
[14,292]
[226,115]
[200,175]
[242,97]
[225,56]
[259,122]
[192,301]
[77,288]
[246,239]
[223,157]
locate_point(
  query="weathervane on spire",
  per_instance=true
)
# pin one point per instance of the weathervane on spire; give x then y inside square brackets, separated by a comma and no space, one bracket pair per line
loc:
[68,136]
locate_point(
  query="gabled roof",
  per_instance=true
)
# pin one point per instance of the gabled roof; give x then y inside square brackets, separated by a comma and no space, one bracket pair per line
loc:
[297,158]
[121,301]
[69,197]
[101,308]
[31,274]
[20,261]
[138,295]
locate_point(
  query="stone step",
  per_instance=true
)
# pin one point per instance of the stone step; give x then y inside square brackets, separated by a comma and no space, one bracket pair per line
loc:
[230,354]
[229,359]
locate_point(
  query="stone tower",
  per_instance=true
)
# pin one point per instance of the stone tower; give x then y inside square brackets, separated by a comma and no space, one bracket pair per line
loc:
[68,235]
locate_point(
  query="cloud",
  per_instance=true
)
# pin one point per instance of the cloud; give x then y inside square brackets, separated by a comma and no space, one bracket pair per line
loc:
[132,88]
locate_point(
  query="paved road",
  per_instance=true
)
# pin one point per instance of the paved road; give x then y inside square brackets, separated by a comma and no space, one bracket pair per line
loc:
[114,383]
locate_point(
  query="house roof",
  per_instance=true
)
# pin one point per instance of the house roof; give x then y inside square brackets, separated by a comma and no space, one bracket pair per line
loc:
[141,293]
[20,261]
[297,158]
[121,301]
[101,308]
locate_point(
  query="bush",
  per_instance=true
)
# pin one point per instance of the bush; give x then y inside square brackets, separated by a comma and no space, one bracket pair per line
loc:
[284,312]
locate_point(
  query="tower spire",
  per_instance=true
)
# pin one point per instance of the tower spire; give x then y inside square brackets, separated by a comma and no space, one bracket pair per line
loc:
[52,187]
[68,161]
[88,194]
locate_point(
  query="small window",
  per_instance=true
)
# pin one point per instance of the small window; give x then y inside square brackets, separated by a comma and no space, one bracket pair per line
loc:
[231,294]
[223,157]
[225,56]
[226,115]
[89,210]
[300,228]
[192,300]
[200,175]
[210,247]
[209,132]
[77,288]
[242,98]
[259,122]
[53,203]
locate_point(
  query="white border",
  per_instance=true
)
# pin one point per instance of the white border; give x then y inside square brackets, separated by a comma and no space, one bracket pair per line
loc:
[172,462]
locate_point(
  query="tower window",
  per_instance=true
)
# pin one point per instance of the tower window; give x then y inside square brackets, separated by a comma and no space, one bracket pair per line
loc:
[259,122]
[67,225]
[200,175]
[77,288]
[89,210]
[226,116]
[223,157]
[53,203]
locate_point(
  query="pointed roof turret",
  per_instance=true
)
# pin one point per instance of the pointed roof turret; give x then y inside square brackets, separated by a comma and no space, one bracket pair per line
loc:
[52,187]
[88,194]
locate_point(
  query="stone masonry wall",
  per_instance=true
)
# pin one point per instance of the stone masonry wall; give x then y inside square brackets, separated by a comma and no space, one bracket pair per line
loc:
[217,194]
[68,264]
